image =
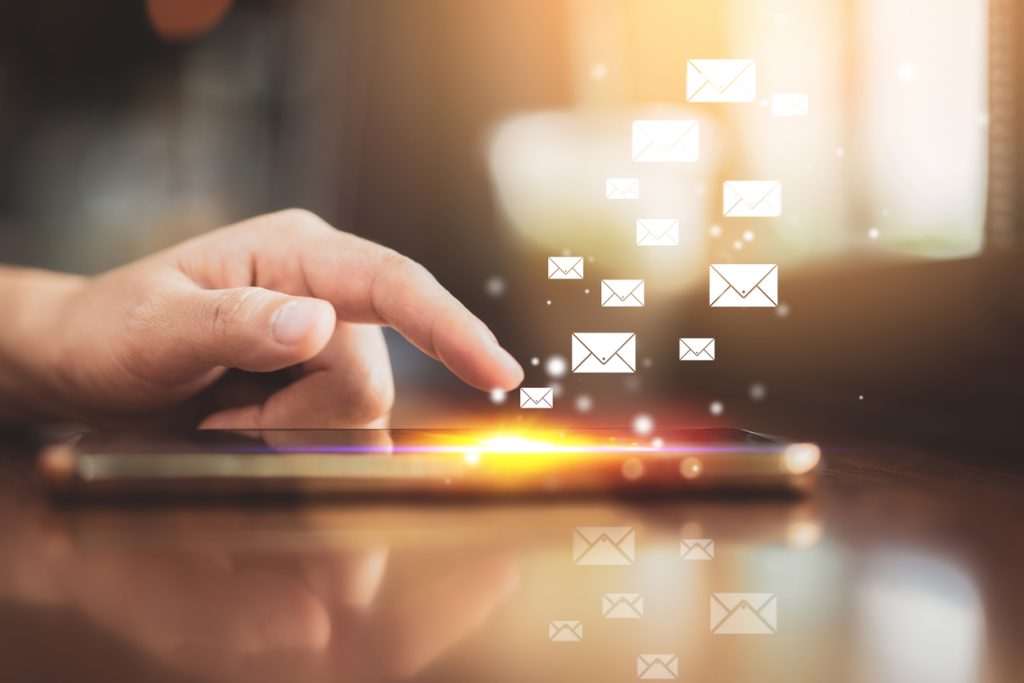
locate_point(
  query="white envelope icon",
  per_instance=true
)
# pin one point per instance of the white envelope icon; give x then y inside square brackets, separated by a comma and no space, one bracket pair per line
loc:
[697,548]
[790,104]
[744,613]
[721,80]
[603,545]
[743,285]
[565,267]
[565,631]
[536,398]
[696,348]
[666,140]
[657,232]
[752,198]
[622,293]
[594,352]
[657,667]
[622,605]
[622,188]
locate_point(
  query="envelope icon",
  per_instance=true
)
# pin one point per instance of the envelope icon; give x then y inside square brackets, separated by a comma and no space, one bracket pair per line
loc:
[721,80]
[657,232]
[565,631]
[696,348]
[789,104]
[622,293]
[744,613]
[594,352]
[603,545]
[622,605]
[657,667]
[743,285]
[565,267]
[536,398]
[666,140]
[622,188]
[697,548]
[752,198]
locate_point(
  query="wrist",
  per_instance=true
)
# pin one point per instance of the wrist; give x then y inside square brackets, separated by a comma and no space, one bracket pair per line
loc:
[32,304]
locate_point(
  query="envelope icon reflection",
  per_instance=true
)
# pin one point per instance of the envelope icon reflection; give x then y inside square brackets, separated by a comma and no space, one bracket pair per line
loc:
[622,188]
[603,545]
[743,285]
[565,631]
[697,548]
[657,667]
[622,605]
[744,613]
[657,232]
[666,140]
[536,398]
[721,80]
[622,293]
[594,352]
[696,348]
[752,198]
[790,104]
[565,267]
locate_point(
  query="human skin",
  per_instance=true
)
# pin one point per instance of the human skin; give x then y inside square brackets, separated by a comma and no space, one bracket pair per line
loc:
[273,322]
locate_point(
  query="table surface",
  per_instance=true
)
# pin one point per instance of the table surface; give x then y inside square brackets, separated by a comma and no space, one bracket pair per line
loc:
[903,566]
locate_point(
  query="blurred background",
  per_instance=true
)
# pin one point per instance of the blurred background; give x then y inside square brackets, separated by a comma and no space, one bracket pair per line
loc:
[476,136]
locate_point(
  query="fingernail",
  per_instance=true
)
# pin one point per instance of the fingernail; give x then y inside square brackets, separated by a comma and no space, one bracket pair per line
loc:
[294,320]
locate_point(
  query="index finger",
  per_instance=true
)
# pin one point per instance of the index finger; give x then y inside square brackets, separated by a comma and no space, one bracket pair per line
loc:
[369,283]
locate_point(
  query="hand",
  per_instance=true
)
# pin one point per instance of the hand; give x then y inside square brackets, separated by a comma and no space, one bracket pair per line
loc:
[272,322]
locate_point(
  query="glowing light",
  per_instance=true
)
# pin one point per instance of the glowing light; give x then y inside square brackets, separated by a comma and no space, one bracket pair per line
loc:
[716,408]
[514,444]
[535,361]
[472,458]
[715,230]
[632,469]
[498,397]
[873,233]
[556,366]
[495,287]
[584,403]
[643,424]
[782,310]
[907,71]
[691,468]
[801,458]
[657,442]
[758,391]
[748,235]
[737,245]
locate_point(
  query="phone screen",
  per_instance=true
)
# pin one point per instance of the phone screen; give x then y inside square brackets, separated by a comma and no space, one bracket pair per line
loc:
[428,462]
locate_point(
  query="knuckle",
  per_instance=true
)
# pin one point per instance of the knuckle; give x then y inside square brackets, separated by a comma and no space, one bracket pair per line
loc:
[226,312]
[392,261]
[300,220]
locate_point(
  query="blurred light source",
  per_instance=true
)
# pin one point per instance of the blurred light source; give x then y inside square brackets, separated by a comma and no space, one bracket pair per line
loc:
[800,458]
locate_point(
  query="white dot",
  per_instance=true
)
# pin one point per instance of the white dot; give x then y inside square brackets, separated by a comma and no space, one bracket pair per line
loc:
[586,291]
[907,71]
[643,424]
[657,442]
[599,71]
[737,245]
[647,362]
[555,366]
[548,302]
[861,397]
[497,397]
[840,152]
[873,233]
[758,391]
[584,403]
[715,230]
[748,235]
[782,310]
[495,286]
[716,408]
[472,458]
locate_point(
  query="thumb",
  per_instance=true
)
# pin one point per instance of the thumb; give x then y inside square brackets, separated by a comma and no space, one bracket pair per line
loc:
[249,328]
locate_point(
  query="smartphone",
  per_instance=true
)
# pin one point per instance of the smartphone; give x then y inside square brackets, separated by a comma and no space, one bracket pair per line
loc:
[432,463]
